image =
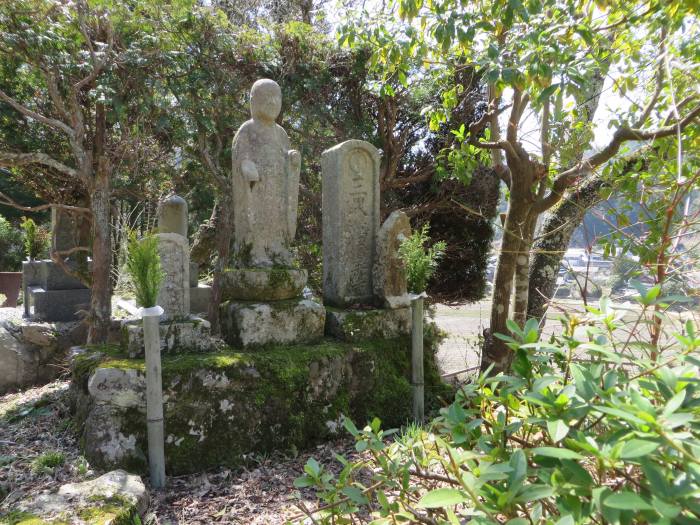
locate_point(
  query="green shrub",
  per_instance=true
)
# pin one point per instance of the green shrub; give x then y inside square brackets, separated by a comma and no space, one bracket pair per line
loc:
[586,429]
[10,247]
[420,263]
[36,239]
[143,266]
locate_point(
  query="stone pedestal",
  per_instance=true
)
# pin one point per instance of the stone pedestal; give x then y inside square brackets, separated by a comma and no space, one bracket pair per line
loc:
[190,334]
[361,325]
[254,324]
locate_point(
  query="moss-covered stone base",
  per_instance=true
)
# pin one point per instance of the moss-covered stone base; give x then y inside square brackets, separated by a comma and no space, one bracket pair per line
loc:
[362,325]
[222,407]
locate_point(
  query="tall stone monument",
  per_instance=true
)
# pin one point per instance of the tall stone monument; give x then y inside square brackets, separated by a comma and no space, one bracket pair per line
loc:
[350,221]
[174,294]
[262,290]
[363,285]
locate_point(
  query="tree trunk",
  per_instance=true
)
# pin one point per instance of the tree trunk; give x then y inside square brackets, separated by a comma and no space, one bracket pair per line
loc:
[224,234]
[101,300]
[557,228]
[522,271]
[495,351]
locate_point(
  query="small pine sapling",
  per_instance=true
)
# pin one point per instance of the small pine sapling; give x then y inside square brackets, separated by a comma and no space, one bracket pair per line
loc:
[144,268]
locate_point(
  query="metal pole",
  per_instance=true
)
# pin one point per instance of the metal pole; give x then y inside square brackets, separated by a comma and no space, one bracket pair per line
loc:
[417,357]
[154,395]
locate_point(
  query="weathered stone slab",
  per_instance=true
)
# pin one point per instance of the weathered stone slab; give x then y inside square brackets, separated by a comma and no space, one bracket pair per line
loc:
[194,274]
[174,293]
[55,278]
[251,324]
[190,334]
[262,284]
[222,407]
[361,325]
[115,497]
[350,221]
[389,272]
[59,305]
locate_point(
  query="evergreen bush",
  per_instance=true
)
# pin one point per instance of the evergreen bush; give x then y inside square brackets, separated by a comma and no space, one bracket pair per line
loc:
[144,268]
[585,429]
[10,247]
[420,263]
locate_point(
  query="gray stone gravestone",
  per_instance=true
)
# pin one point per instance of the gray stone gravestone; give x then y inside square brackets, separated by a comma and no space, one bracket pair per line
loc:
[360,265]
[174,294]
[350,221]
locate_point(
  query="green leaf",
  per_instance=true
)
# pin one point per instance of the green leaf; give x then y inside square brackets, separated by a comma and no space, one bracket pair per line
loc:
[355,494]
[547,92]
[441,498]
[674,403]
[635,448]
[559,453]
[534,493]
[557,430]
[626,500]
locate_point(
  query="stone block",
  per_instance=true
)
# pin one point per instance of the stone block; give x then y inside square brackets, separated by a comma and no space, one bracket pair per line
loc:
[200,297]
[58,305]
[190,334]
[262,284]
[360,325]
[221,407]
[389,272]
[55,278]
[115,497]
[251,324]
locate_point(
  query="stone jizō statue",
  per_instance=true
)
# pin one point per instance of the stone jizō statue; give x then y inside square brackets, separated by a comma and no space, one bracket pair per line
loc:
[265,178]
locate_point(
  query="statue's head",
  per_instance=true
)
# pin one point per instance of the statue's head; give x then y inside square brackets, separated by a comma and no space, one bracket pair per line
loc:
[265,100]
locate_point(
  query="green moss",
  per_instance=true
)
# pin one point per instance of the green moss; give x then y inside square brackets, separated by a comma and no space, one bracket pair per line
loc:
[115,510]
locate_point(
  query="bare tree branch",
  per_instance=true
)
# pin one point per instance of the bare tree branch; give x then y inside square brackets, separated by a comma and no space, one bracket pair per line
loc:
[24,110]
[622,135]
[9,159]
[8,201]
[660,73]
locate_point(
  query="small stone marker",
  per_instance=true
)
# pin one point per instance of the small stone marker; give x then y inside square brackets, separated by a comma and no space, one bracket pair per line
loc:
[174,294]
[389,272]
[350,221]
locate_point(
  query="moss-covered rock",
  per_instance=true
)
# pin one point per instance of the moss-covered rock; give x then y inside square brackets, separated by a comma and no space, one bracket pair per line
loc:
[117,498]
[221,407]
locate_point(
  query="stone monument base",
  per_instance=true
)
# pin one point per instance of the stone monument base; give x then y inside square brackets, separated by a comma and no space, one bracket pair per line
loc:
[222,407]
[191,334]
[251,324]
[262,284]
[200,297]
[359,325]
[34,353]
